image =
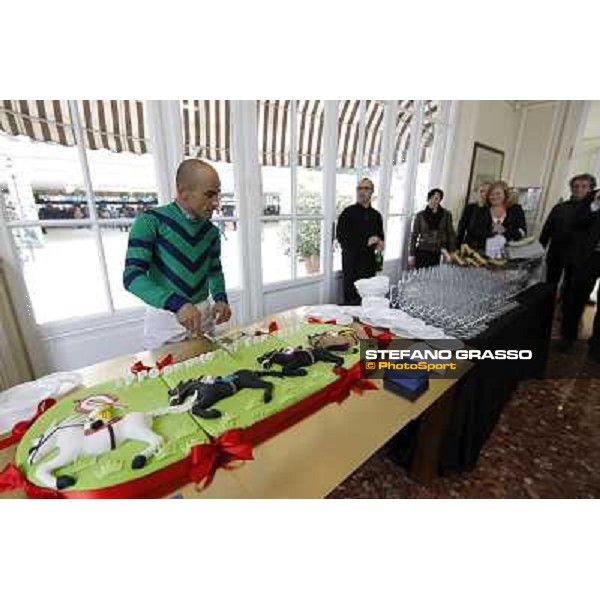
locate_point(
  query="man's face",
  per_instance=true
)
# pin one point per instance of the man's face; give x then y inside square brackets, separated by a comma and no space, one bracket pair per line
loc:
[580,188]
[364,191]
[203,196]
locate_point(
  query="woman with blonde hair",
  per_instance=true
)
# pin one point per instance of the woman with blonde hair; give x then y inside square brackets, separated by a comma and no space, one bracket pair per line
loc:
[501,215]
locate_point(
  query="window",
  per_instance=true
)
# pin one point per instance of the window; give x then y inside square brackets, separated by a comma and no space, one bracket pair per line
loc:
[359,155]
[207,135]
[290,141]
[71,236]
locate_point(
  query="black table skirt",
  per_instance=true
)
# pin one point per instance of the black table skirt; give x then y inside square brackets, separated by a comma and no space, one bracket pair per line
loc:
[482,394]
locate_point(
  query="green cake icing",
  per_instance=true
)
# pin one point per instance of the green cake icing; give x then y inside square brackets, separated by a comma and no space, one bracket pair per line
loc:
[114,467]
[183,430]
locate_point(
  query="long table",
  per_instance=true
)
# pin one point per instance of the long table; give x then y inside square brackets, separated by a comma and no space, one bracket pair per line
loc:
[314,456]
[486,389]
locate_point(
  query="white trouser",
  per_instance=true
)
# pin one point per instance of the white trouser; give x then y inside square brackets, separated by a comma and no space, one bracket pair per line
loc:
[161,326]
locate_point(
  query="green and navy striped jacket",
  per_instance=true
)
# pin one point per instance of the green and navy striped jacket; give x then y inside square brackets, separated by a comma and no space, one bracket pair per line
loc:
[172,259]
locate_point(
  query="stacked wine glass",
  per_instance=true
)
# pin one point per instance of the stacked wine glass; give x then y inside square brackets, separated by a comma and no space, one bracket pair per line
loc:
[460,301]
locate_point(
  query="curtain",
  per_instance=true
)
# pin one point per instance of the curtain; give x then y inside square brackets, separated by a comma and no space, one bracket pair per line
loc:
[15,366]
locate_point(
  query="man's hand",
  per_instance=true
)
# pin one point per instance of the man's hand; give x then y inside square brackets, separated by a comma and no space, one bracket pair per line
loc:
[380,245]
[222,312]
[189,316]
[411,262]
[373,240]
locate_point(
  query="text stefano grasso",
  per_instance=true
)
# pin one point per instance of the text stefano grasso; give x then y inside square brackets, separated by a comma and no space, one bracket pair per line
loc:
[442,355]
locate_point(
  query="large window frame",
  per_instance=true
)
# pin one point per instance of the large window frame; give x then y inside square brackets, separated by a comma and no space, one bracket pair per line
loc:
[294,216]
[165,138]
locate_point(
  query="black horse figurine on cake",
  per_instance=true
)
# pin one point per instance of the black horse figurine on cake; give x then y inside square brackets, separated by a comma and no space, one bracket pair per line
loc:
[206,391]
[291,360]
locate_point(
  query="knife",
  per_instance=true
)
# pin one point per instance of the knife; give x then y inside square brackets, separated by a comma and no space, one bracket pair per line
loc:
[217,343]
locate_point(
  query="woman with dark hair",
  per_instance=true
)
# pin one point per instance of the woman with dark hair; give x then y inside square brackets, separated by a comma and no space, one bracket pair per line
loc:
[500,216]
[432,231]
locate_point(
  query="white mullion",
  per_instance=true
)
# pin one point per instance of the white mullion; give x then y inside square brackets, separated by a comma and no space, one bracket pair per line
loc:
[294,179]
[388,135]
[449,143]
[362,113]
[329,146]
[412,166]
[440,136]
[248,185]
[85,167]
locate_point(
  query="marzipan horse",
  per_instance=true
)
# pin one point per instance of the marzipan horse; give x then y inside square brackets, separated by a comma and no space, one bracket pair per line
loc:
[206,391]
[292,360]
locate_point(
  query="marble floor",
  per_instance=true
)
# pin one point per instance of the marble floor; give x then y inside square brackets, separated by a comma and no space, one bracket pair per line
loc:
[545,445]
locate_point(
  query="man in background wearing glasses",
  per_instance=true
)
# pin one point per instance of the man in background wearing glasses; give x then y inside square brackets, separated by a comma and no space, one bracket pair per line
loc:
[360,234]
[173,260]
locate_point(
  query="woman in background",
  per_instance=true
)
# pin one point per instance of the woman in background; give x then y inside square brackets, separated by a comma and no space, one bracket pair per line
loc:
[500,216]
[432,231]
[470,210]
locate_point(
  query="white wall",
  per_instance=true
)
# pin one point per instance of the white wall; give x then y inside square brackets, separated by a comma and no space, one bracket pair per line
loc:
[491,122]
[533,149]
[536,137]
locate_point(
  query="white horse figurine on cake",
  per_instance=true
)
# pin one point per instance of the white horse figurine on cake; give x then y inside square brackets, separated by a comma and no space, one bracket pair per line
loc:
[92,434]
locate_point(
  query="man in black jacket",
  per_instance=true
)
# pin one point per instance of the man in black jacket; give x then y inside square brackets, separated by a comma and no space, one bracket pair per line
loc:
[557,233]
[586,271]
[360,234]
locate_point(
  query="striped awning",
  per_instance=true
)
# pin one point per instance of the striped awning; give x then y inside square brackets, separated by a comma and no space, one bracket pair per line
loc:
[207,129]
[274,132]
[116,125]
[40,120]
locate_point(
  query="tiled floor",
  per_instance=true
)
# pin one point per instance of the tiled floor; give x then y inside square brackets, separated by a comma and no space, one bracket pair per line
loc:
[546,445]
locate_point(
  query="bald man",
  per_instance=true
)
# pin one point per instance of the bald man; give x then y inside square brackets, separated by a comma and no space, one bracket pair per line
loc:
[173,260]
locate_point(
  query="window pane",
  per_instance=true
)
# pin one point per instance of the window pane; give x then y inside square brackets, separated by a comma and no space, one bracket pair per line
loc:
[309,199]
[230,253]
[274,147]
[308,247]
[309,140]
[114,240]
[277,190]
[372,173]
[62,272]
[345,190]
[115,134]
[276,251]
[393,237]
[398,189]
[41,180]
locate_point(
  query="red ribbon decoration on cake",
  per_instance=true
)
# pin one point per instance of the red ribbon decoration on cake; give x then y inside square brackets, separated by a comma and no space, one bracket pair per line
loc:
[161,363]
[12,479]
[314,321]
[383,338]
[19,429]
[139,367]
[207,458]
[165,361]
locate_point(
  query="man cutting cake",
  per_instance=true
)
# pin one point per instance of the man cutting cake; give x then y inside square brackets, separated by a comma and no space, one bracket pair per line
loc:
[173,260]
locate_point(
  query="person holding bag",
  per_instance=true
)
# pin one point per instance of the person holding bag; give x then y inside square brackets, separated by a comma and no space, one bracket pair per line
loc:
[432,231]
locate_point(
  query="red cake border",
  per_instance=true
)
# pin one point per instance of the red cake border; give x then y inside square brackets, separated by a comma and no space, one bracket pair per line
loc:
[204,459]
